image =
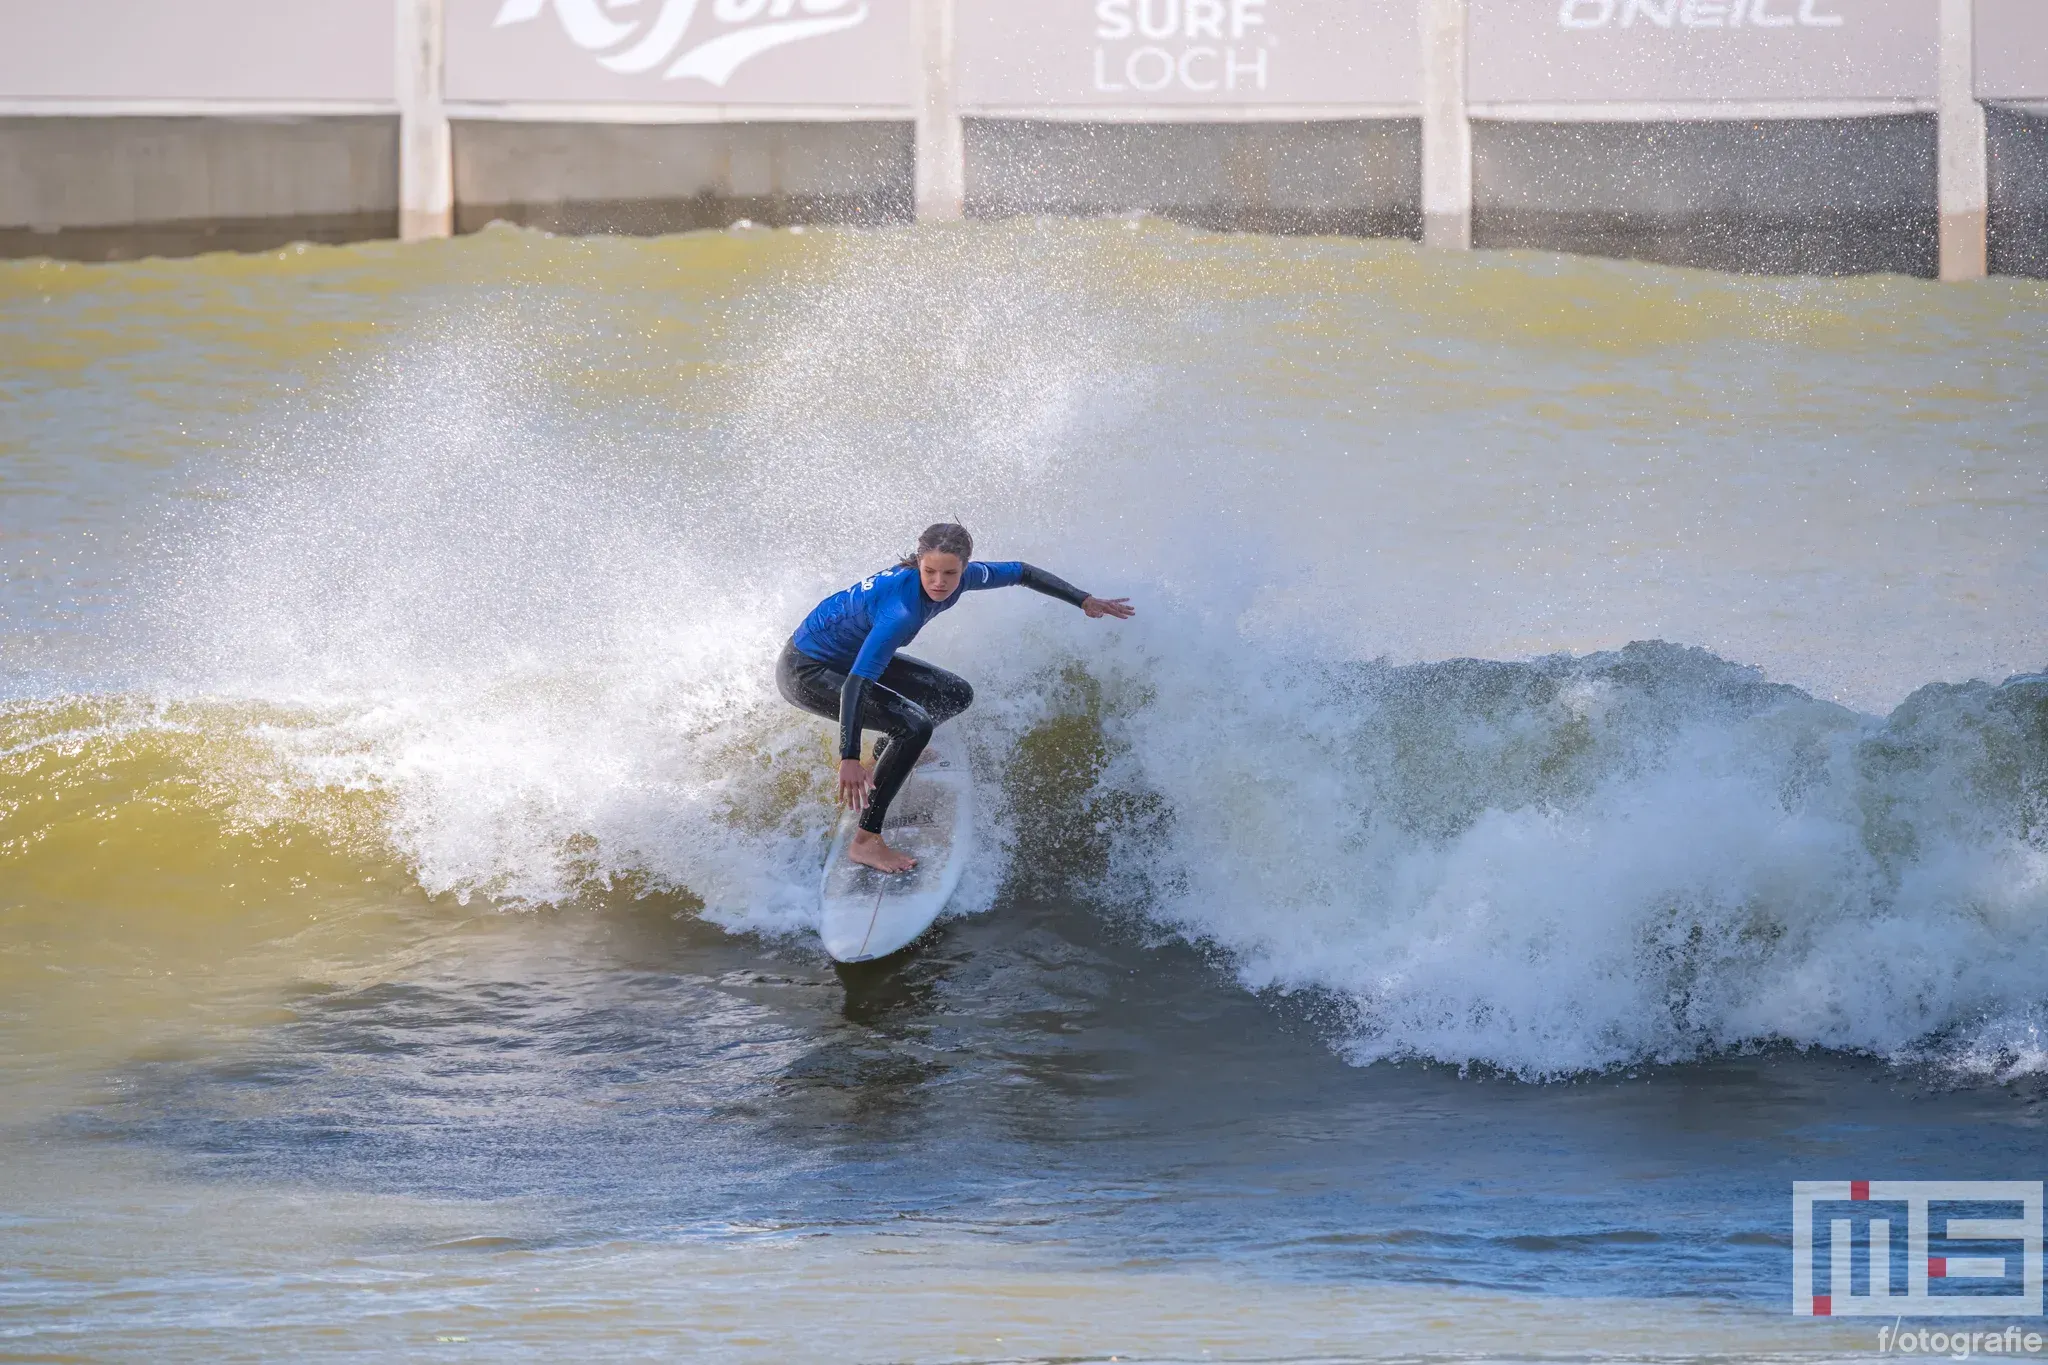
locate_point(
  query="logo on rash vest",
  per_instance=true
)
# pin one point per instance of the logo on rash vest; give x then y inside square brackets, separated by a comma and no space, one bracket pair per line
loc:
[1666,14]
[740,31]
[1972,1248]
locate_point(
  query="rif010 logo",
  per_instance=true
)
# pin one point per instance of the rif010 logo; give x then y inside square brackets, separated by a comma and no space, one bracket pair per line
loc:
[740,31]
[1972,1248]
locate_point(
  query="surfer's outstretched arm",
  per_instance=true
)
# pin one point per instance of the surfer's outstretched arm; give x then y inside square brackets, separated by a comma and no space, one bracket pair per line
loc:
[1019,574]
[1052,585]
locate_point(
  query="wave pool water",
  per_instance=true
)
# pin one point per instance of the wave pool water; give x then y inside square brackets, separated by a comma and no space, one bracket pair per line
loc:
[1581,763]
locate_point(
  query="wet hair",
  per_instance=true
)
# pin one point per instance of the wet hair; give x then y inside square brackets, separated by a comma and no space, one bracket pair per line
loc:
[942,538]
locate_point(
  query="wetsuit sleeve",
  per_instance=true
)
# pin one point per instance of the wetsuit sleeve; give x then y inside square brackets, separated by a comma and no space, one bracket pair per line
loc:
[1015,573]
[1038,580]
[850,694]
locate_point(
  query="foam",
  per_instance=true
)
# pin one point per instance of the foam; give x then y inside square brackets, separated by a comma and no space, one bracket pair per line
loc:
[549,644]
[1573,864]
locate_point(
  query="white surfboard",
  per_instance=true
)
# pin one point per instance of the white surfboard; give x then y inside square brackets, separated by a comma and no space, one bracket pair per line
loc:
[870,914]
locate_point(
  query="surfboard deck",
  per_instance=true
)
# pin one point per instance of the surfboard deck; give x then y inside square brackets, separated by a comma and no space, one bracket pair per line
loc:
[870,914]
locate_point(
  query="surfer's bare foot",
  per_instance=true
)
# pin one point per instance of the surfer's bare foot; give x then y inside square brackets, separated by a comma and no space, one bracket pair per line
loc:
[869,851]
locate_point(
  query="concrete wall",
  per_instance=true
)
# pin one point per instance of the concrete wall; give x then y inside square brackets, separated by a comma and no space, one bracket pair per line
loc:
[118,188]
[2019,190]
[1349,176]
[598,177]
[1261,115]
[140,127]
[2012,79]
[1810,196]
[1830,135]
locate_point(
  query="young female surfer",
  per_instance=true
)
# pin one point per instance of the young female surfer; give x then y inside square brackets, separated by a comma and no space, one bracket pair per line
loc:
[842,664]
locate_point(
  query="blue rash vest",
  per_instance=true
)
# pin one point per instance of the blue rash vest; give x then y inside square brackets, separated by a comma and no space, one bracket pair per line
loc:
[859,630]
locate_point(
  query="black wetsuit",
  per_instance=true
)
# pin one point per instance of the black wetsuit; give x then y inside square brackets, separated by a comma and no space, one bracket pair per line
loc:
[842,664]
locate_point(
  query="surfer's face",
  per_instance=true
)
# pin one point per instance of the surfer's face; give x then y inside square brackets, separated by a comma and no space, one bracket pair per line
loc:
[940,574]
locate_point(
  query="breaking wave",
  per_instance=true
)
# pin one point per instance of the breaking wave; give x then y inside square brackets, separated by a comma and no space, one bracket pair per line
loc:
[1544,867]
[454,625]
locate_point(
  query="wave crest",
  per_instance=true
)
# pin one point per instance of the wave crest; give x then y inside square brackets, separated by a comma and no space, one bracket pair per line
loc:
[1577,863]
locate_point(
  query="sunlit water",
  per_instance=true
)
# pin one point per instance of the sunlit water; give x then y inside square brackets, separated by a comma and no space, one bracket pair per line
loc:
[1574,772]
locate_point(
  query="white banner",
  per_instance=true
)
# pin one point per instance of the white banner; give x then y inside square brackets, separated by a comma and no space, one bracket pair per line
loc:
[2012,49]
[298,50]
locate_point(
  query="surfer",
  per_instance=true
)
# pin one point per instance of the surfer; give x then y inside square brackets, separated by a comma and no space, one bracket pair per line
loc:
[842,664]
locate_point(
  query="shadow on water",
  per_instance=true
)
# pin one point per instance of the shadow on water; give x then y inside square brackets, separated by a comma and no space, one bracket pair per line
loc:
[1039,1072]
[892,995]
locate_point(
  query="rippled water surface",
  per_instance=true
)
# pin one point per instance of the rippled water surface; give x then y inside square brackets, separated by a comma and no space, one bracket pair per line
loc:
[1580,765]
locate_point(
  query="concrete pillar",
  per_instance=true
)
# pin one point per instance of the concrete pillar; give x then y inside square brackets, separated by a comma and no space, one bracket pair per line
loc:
[1446,129]
[1965,169]
[426,154]
[941,146]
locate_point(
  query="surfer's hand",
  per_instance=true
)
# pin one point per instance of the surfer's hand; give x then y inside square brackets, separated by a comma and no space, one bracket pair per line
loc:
[854,784]
[1119,607]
